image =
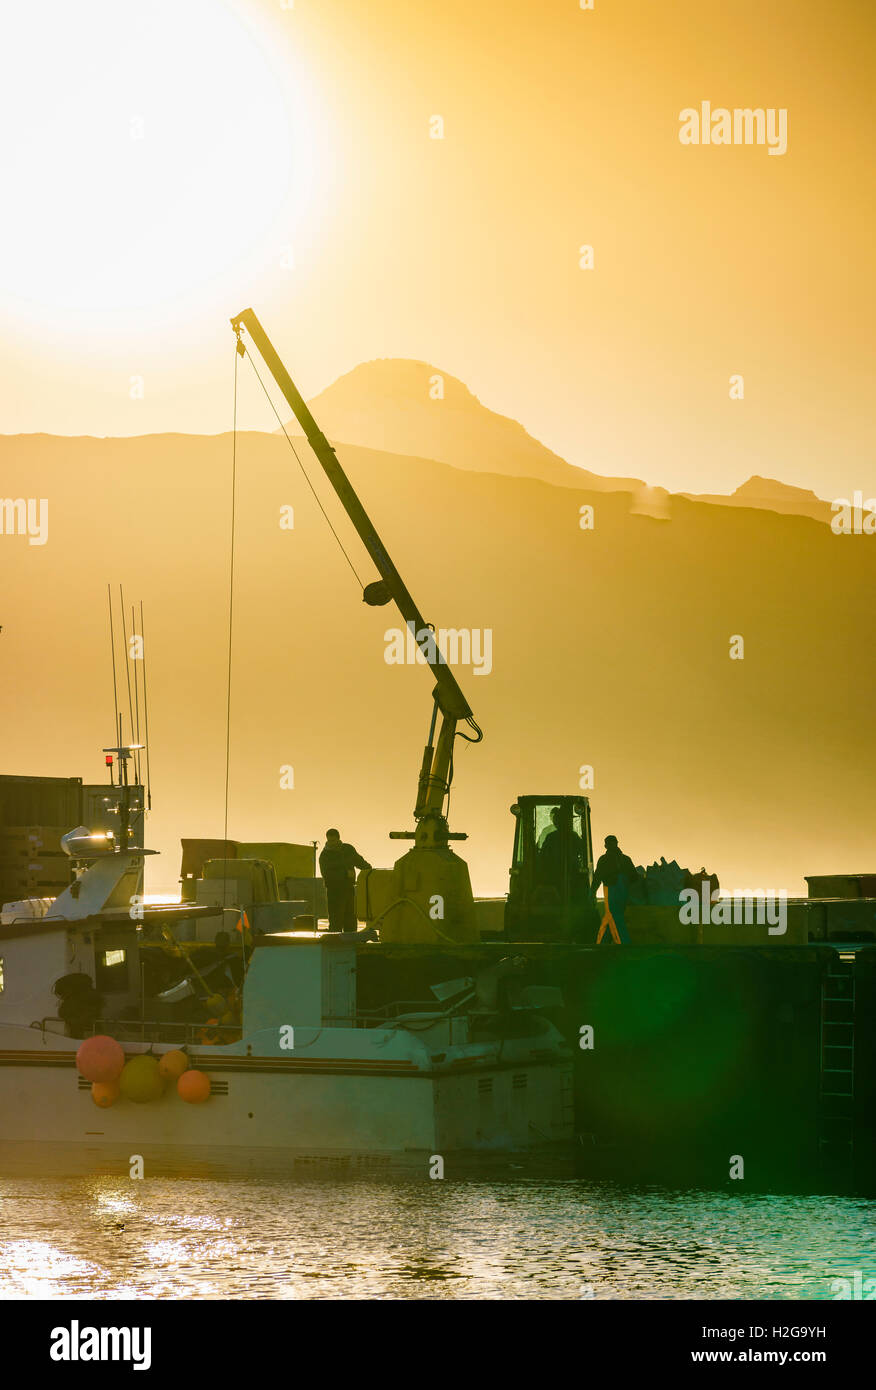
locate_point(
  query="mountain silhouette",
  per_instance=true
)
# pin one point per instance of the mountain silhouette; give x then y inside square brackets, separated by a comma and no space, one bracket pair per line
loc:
[610,650]
[392,405]
[400,406]
[770,495]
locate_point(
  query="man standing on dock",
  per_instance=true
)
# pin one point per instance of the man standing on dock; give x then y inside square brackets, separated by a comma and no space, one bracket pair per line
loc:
[338,864]
[616,871]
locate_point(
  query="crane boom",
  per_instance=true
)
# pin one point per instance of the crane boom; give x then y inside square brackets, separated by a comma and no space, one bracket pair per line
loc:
[435,771]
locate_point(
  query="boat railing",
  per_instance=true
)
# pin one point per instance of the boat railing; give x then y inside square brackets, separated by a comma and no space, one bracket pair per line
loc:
[187,1034]
[390,1013]
[51,1024]
[373,1018]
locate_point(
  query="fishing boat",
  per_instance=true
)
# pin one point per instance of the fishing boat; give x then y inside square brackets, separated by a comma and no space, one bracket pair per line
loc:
[299,1074]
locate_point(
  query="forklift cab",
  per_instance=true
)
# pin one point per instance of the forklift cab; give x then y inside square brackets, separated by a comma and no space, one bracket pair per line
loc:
[551,871]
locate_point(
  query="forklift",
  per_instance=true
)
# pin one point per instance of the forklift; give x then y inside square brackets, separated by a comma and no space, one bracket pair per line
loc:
[549,890]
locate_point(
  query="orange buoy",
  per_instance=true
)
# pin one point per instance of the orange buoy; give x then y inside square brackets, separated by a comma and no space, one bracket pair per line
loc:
[172,1065]
[141,1080]
[194,1086]
[103,1093]
[100,1058]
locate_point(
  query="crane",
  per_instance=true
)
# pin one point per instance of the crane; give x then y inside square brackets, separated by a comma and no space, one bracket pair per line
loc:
[433,786]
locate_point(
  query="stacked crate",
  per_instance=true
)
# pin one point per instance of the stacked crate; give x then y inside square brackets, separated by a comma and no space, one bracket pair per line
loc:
[34,813]
[32,862]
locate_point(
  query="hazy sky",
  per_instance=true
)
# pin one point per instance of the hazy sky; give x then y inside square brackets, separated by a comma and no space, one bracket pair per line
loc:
[166,164]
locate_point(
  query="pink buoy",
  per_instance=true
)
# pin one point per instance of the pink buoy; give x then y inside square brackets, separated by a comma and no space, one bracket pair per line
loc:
[100,1059]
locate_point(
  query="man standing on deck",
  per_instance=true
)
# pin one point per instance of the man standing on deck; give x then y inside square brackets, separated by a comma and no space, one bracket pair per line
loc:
[338,864]
[617,871]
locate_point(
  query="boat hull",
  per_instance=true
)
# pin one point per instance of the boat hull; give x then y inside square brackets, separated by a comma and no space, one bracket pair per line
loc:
[268,1115]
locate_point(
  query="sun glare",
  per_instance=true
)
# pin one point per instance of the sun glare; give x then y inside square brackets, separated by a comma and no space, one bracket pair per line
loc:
[149,153]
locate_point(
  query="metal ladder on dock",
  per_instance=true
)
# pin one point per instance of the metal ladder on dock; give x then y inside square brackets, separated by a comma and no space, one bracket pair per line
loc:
[836,1093]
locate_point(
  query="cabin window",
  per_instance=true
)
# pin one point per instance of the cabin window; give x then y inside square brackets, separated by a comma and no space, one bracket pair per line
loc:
[112,970]
[544,823]
[519,837]
[579,841]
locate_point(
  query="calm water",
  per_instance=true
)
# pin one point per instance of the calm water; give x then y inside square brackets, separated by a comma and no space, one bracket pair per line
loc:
[105,1238]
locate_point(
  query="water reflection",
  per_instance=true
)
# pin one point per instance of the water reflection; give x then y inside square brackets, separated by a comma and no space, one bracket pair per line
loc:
[563,1239]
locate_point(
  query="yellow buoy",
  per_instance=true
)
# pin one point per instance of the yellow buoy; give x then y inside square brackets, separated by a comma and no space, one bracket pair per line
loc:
[141,1080]
[172,1065]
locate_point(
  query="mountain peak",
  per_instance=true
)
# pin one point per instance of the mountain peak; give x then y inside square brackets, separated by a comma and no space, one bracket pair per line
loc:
[400,379]
[768,494]
[764,488]
[402,406]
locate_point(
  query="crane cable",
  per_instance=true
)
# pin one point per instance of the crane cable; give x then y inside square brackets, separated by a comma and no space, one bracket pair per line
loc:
[478,738]
[230,635]
[473,724]
[241,349]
